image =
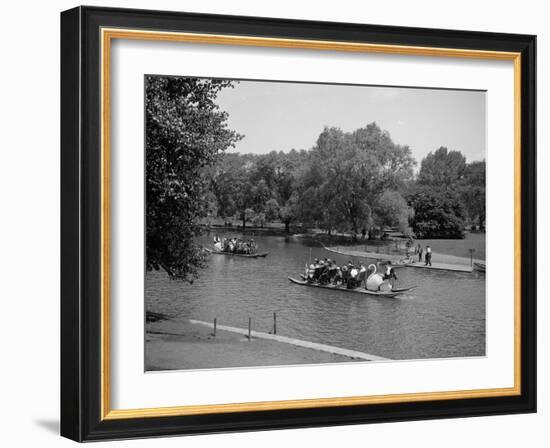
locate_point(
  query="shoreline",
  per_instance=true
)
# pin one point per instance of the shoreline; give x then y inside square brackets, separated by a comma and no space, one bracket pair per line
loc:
[450,263]
[379,246]
[180,344]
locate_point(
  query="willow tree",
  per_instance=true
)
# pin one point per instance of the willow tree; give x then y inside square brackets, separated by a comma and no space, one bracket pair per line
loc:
[350,172]
[185,133]
[442,169]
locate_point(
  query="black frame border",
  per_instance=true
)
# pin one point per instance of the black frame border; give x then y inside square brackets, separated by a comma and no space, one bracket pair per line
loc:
[81,223]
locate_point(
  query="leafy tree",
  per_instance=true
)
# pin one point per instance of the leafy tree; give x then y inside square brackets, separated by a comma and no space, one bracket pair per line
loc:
[259,219]
[474,173]
[211,207]
[249,215]
[307,208]
[442,168]
[185,133]
[227,183]
[394,162]
[274,176]
[392,210]
[271,210]
[263,169]
[473,198]
[289,212]
[243,195]
[263,183]
[473,192]
[338,180]
[261,194]
[349,171]
[453,188]
[223,189]
[353,181]
[437,214]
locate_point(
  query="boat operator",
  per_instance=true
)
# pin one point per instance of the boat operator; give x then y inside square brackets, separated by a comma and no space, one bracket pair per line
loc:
[390,272]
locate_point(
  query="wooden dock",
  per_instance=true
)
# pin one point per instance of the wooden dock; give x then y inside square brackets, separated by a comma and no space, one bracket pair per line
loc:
[297,342]
[441,267]
[396,259]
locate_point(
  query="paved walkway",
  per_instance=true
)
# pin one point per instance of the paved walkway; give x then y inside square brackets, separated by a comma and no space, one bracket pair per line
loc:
[396,258]
[297,342]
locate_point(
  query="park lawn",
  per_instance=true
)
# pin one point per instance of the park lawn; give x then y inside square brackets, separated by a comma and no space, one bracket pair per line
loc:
[459,248]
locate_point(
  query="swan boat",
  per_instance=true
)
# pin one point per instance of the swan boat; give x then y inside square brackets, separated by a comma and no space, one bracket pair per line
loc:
[373,281]
[390,294]
[232,254]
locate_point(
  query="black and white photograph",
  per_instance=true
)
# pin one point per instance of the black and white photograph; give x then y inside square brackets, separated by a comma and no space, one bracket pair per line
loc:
[297,223]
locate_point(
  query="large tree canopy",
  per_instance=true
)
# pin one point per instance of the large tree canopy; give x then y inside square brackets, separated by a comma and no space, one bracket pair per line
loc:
[337,185]
[448,191]
[437,214]
[185,133]
[260,185]
[442,168]
[353,181]
[349,173]
[392,210]
[472,191]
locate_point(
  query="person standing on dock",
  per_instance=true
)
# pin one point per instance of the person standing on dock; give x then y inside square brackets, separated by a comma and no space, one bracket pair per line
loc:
[428,257]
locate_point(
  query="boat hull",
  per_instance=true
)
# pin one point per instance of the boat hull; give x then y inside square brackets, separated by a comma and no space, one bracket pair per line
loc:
[388,294]
[230,254]
[480,267]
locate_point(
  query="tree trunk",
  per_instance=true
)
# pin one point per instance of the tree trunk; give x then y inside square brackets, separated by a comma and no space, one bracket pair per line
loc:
[355,231]
[287,226]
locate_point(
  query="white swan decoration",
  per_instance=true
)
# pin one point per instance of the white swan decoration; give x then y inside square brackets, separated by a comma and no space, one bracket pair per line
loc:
[375,281]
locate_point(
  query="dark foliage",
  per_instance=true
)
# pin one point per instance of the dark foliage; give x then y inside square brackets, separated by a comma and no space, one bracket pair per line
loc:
[185,133]
[437,214]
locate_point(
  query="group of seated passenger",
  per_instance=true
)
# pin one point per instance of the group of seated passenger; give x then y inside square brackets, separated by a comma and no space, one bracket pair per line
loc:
[236,245]
[327,272]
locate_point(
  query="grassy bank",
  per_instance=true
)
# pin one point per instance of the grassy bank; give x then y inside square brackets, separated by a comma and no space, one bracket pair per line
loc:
[178,344]
[459,248]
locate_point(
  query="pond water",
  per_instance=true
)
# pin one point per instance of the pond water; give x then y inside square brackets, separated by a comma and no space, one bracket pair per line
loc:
[443,317]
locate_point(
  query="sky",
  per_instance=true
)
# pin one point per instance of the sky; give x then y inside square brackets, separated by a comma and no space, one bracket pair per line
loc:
[282,116]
